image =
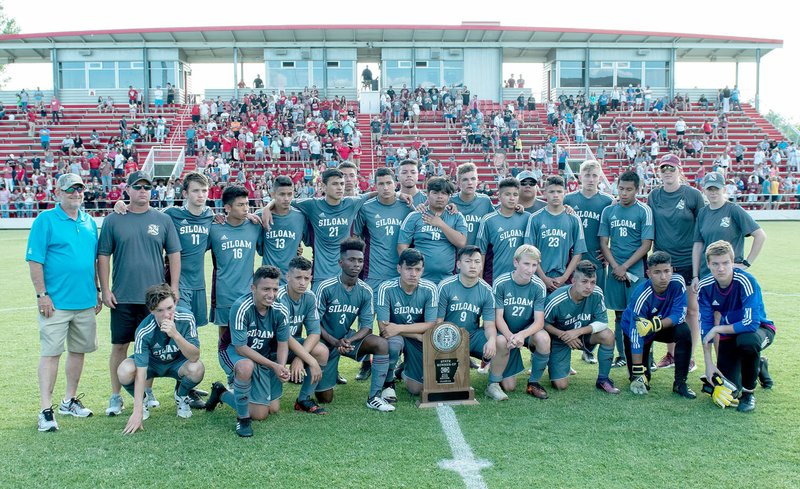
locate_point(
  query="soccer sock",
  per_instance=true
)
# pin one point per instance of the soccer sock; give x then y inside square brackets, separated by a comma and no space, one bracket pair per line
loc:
[129,388]
[620,340]
[186,384]
[396,344]
[605,355]
[308,387]
[380,366]
[494,378]
[228,398]
[241,393]
[538,364]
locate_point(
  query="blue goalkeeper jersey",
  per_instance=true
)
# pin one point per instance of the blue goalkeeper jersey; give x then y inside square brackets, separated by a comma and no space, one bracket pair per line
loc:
[645,303]
[740,304]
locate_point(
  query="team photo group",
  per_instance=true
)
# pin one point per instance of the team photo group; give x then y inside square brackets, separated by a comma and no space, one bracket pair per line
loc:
[531,276]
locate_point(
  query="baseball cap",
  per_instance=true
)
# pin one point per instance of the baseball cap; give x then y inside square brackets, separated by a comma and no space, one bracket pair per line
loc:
[670,160]
[527,174]
[68,180]
[137,176]
[713,179]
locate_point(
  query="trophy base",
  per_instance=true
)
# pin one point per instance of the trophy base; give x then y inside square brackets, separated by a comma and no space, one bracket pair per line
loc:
[447,397]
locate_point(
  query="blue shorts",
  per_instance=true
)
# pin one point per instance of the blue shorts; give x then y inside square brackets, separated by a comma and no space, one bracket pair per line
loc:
[561,357]
[330,370]
[412,352]
[515,364]
[618,293]
[158,369]
[159,102]
[195,300]
[221,315]
[265,385]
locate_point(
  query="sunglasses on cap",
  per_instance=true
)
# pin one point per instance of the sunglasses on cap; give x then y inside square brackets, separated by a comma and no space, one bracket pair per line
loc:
[139,186]
[76,188]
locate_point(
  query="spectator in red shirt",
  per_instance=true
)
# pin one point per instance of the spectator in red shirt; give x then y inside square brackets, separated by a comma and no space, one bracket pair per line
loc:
[130,166]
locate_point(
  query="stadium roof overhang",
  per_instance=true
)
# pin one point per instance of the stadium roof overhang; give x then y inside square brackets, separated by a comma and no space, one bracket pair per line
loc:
[519,44]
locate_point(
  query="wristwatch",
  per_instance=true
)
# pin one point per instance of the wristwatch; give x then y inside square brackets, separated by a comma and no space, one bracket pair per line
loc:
[746,263]
[39,296]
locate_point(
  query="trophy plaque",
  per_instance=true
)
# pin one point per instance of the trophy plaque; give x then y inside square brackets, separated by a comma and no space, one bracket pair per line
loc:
[445,364]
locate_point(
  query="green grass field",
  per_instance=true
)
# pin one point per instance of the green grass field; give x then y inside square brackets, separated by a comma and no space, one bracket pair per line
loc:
[577,438]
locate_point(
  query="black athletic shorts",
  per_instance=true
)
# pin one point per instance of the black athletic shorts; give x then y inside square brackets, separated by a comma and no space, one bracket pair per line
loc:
[125,318]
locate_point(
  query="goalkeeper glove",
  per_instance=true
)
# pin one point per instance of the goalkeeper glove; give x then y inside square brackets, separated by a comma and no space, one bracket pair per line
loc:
[646,326]
[639,383]
[721,391]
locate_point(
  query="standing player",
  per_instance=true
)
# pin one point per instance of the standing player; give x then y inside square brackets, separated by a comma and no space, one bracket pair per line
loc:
[589,203]
[576,318]
[558,235]
[675,207]
[138,241]
[350,174]
[472,205]
[408,175]
[259,330]
[629,226]
[519,298]
[166,346]
[288,230]
[529,191]
[657,312]
[407,308]
[502,231]
[340,300]
[732,310]
[464,300]
[436,233]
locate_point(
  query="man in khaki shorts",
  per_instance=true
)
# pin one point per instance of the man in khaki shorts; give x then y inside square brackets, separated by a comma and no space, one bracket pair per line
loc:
[61,254]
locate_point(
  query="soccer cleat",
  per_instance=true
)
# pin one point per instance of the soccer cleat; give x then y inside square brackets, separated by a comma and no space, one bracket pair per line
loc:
[47,420]
[495,392]
[536,390]
[365,372]
[588,357]
[74,407]
[150,399]
[244,427]
[472,364]
[747,402]
[653,365]
[309,406]
[763,374]
[195,400]
[683,390]
[667,361]
[572,371]
[115,405]
[340,380]
[398,371]
[197,393]
[214,398]
[484,368]
[388,394]
[379,404]
[692,365]
[607,385]
[184,406]
[619,362]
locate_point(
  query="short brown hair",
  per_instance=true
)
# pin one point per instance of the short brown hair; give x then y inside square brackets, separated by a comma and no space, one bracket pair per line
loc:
[157,293]
[194,176]
[718,248]
[465,168]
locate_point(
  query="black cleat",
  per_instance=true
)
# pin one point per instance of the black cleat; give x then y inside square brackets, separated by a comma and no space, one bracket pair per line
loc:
[195,401]
[398,372]
[309,406]
[340,380]
[747,402]
[244,427]
[198,392]
[619,362]
[365,372]
[683,390]
[217,389]
[763,374]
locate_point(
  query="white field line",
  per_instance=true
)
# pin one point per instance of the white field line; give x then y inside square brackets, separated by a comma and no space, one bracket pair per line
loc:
[463,462]
[12,309]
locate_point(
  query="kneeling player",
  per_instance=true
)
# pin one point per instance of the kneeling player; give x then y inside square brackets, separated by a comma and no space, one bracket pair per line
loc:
[407,308]
[340,300]
[576,318]
[519,309]
[657,312]
[734,296]
[464,300]
[258,329]
[166,345]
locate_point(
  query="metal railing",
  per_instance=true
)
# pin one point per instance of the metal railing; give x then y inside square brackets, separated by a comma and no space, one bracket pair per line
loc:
[161,156]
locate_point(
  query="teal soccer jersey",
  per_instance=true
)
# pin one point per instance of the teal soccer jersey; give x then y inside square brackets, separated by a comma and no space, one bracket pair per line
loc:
[518,302]
[589,211]
[464,306]
[338,307]
[379,225]
[261,333]
[281,241]
[563,313]
[153,347]
[627,227]
[193,234]
[329,226]
[233,250]
[396,306]
[439,253]
[558,237]
[302,313]
[498,238]
[473,212]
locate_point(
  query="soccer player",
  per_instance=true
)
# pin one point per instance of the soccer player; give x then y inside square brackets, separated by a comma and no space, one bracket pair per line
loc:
[259,331]
[472,205]
[407,308]
[657,312]
[519,298]
[732,309]
[234,245]
[166,346]
[528,192]
[408,175]
[628,224]
[502,231]
[575,316]
[137,241]
[340,300]
[464,300]
[350,174]
[306,355]
[558,236]
[436,233]
[288,230]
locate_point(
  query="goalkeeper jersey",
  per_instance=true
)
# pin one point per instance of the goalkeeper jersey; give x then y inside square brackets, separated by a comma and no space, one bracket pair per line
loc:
[646,303]
[740,304]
